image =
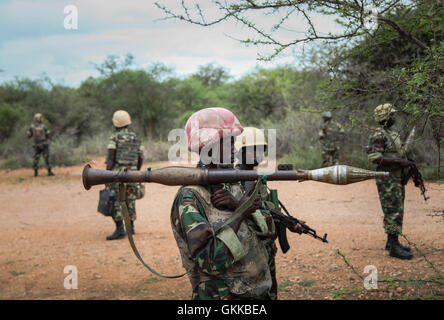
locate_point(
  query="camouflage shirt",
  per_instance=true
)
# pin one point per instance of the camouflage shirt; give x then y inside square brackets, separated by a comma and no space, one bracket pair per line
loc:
[385,143]
[224,265]
[329,135]
[39,132]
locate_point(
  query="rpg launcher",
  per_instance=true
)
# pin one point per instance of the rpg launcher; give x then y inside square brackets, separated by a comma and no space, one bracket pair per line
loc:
[177,176]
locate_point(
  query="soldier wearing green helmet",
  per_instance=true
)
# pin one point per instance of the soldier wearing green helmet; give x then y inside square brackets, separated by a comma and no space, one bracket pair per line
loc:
[124,152]
[385,149]
[329,136]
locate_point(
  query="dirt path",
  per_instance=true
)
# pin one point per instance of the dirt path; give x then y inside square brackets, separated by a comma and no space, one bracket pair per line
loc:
[51,222]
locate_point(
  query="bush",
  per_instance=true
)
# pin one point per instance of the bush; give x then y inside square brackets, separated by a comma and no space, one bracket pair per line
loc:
[9,117]
[156,150]
[304,159]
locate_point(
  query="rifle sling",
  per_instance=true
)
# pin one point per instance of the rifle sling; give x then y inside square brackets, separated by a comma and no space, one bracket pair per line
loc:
[243,207]
[127,220]
[122,199]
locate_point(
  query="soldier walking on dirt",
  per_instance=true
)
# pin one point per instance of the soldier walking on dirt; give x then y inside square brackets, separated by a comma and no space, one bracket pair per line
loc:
[226,258]
[124,152]
[386,151]
[40,134]
[251,146]
[329,136]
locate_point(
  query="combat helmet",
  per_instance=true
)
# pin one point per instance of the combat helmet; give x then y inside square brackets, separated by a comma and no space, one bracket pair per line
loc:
[209,125]
[326,114]
[383,112]
[38,117]
[121,118]
[250,137]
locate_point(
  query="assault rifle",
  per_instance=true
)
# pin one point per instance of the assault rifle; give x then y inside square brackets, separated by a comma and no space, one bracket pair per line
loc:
[287,221]
[416,175]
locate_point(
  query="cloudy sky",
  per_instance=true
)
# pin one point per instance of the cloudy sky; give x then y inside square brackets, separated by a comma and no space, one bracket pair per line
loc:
[33,39]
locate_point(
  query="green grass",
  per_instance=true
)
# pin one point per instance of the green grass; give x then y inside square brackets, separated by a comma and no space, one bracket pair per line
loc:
[284,284]
[15,273]
[342,293]
[307,283]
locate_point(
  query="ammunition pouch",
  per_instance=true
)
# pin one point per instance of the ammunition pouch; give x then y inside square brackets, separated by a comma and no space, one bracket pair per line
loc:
[106,202]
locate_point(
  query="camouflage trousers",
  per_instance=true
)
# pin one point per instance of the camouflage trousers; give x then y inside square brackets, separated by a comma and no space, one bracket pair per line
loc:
[41,149]
[329,158]
[392,195]
[131,191]
[217,290]
[272,250]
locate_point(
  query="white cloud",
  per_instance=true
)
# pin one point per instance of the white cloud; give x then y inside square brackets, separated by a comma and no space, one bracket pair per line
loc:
[118,27]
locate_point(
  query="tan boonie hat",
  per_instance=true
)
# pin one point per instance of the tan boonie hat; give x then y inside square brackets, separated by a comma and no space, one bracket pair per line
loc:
[383,112]
[250,137]
[121,119]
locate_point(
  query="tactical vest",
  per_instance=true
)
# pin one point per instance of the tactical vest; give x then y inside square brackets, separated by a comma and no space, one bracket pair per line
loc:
[247,278]
[38,133]
[393,149]
[127,149]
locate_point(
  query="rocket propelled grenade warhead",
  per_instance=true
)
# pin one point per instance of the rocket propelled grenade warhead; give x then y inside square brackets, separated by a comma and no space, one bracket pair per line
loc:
[177,176]
[342,174]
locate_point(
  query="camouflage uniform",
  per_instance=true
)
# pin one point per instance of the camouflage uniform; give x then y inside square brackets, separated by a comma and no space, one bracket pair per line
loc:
[269,241]
[127,147]
[387,143]
[40,134]
[329,135]
[224,265]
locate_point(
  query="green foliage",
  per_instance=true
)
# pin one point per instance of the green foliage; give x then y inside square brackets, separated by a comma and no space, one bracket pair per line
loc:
[343,293]
[303,159]
[284,284]
[10,115]
[306,282]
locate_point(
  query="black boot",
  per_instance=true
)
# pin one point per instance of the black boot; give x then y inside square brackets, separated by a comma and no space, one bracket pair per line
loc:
[396,250]
[132,227]
[119,233]
[387,245]
[36,172]
[50,173]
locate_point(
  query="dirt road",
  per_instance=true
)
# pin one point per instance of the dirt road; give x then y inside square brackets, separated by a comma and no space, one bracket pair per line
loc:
[49,223]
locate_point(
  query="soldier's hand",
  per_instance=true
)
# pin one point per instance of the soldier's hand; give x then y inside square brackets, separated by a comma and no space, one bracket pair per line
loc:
[223,198]
[297,227]
[406,163]
[254,206]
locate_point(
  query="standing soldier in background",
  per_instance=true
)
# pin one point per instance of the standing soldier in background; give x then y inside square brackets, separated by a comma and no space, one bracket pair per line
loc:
[328,136]
[124,152]
[386,151]
[40,133]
